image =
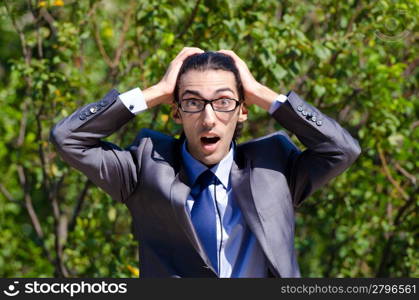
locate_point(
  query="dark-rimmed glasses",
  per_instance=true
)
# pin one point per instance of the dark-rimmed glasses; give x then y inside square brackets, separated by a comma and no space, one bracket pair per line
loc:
[193,105]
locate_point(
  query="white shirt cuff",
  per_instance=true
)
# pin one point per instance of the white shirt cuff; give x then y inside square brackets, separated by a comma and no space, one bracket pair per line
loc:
[134,100]
[277,103]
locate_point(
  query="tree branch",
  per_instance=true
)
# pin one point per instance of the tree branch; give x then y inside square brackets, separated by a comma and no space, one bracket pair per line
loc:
[153,122]
[60,237]
[359,6]
[25,49]
[89,14]
[411,177]
[32,213]
[190,21]
[118,52]
[382,269]
[60,220]
[99,42]
[36,16]
[7,194]
[28,202]
[389,176]
[49,19]
[79,205]
[23,122]
[411,67]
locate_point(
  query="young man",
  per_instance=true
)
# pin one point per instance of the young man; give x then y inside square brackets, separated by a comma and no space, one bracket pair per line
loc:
[202,205]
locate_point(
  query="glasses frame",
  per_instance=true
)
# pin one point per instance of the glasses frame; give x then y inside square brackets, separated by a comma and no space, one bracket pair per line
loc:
[210,103]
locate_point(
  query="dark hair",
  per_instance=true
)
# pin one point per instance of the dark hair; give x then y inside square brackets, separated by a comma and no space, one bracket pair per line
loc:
[211,61]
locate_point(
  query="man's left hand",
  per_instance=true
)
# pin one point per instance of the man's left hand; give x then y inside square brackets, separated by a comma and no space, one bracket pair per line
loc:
[254,92]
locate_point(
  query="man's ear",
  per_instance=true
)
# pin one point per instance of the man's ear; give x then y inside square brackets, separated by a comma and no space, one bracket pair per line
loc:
[176,114]
[243,112]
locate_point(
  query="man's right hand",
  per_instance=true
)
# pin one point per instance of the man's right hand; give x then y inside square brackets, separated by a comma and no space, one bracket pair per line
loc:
[162,92]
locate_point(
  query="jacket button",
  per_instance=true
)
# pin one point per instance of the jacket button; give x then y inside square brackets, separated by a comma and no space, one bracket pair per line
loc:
[299,108]
[93,109]
[82,117]
[313,118]
[131,107]
[304,113]
[319,123]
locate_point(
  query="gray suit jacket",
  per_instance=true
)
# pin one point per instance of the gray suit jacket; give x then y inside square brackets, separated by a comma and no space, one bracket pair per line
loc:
[269,178]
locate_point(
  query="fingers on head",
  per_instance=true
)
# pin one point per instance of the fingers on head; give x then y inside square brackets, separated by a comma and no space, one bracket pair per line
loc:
[228,52]
[231,53]
[193,49]
[187,51]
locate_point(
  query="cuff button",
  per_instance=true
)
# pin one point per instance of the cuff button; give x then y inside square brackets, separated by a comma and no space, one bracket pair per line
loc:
[299,108]
[319,123]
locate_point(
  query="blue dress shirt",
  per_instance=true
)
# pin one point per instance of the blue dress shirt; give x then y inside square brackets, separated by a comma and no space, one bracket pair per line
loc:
[240,253]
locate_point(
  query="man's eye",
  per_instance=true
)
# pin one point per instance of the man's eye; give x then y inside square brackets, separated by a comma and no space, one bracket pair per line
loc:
[192,102]
[223,102]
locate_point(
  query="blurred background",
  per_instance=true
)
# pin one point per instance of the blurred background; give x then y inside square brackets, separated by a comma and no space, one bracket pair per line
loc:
[357,61]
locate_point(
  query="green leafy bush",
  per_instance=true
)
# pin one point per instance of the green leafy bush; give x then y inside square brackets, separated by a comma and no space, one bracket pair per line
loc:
[355,60]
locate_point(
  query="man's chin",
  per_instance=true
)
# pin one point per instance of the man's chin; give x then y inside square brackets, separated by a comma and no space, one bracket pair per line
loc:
[210,155]
[211,160]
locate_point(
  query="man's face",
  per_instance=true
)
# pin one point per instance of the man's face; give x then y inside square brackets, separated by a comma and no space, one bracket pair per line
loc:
[209,133]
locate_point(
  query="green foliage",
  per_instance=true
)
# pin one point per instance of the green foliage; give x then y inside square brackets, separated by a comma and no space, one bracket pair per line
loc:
[355,60]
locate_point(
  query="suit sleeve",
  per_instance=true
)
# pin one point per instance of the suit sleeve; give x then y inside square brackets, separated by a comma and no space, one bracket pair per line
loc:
[78,140]
[330,148]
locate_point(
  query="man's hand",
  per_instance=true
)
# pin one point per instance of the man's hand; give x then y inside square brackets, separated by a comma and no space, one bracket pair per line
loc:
[162,92]
[254,92]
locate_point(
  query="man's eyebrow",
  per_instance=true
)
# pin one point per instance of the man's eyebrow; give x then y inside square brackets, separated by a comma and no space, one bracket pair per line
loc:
[224,90]
[196,93]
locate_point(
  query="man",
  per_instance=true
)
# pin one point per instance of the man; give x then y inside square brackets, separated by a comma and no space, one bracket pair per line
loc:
[203,206]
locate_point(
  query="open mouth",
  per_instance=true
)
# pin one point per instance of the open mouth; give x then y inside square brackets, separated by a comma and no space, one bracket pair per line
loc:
[209,140]
[209,144]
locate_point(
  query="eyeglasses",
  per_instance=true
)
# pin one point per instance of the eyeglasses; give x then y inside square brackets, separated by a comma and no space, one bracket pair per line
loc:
[193,105]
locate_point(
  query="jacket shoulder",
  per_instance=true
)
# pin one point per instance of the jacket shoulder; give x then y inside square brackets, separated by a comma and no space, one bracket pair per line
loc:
[158,146]
[276,146]
[154,135]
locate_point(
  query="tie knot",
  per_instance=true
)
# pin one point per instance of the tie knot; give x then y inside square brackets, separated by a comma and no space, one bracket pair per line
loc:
[203,181]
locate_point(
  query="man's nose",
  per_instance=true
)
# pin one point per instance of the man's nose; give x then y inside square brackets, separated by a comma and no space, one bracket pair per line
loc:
[209,116]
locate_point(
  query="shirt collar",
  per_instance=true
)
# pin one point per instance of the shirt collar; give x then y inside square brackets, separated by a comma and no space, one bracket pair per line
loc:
[194,168]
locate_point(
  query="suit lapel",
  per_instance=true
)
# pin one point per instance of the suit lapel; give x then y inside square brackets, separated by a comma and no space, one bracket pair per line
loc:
[242,190]
[178,194]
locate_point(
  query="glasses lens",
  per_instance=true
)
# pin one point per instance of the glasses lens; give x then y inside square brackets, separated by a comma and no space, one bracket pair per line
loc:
[224,104]
[192,105]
